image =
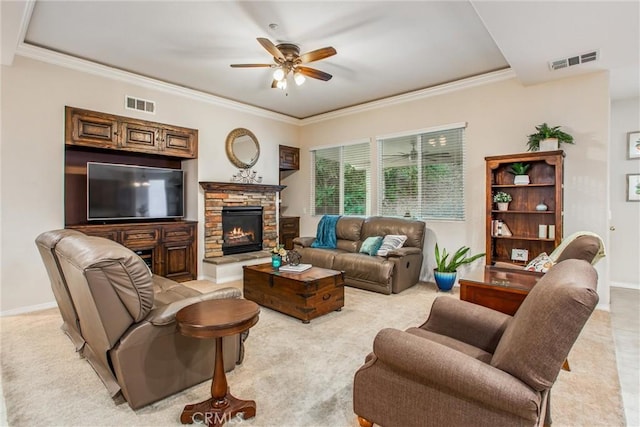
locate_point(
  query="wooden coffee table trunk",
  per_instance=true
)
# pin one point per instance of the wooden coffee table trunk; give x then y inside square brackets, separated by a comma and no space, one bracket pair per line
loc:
[305,295]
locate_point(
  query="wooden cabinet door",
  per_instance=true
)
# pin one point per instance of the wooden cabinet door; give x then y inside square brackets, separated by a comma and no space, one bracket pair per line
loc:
[178,261]
[289,158]
[179,142]
[91,129]
[140,137]
[289,230]
[179,252]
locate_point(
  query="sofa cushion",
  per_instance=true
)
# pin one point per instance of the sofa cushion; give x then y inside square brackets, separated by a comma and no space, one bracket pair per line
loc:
[318,257]
[371,245]
[391,242]
[349,228]
[381,226]
[364,267]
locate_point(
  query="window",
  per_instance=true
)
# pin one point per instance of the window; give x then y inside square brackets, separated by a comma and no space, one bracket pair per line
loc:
[421,175]
[342,180]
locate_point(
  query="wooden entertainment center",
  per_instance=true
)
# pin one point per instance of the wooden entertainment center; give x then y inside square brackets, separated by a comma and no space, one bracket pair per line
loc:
[168,246]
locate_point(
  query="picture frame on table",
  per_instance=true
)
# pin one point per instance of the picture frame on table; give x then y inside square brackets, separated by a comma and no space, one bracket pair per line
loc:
[633,187]
[633,145]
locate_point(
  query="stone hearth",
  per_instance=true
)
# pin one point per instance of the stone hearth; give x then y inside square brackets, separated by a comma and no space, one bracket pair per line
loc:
[220,194]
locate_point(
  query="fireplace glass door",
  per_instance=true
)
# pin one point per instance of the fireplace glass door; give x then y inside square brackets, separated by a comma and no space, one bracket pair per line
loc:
[241,229]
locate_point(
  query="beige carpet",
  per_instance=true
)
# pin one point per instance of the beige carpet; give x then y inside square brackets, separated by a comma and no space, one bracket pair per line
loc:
[299,375]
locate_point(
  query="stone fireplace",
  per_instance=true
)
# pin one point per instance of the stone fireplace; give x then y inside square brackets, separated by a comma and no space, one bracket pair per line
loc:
[219,196]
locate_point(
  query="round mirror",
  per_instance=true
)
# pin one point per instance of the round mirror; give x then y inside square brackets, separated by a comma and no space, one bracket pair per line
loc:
[243,149]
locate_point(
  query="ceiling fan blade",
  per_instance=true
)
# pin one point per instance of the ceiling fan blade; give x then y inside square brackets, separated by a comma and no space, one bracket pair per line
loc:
[250,65]
[274,84]
[316,55]
[314,74]
[271,48]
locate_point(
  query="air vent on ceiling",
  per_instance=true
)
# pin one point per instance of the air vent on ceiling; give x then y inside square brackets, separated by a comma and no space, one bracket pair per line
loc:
[139,104]
[573,60]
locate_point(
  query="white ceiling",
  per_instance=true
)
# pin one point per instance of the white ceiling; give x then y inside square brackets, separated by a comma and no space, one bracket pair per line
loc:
[384,48]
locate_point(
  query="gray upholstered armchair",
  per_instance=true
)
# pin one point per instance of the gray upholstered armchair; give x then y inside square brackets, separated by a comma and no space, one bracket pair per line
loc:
[122,319]
[470,365]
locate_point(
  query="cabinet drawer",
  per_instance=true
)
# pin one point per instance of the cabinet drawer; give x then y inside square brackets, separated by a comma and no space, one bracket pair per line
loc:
[107,234]
[178,233]
[140,237]
[289,225]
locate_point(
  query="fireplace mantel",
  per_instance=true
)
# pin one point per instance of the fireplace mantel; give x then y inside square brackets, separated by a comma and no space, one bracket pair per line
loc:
[237,186]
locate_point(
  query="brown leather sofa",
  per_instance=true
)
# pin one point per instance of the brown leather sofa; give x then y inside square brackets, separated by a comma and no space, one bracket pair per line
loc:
[121,318]
[470,365]
[397,271]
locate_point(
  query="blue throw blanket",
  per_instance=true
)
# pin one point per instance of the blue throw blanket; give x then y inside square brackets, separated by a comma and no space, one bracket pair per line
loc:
[326,234]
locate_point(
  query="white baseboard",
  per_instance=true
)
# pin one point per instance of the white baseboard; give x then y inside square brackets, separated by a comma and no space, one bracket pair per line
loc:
[28,309]
[625,285]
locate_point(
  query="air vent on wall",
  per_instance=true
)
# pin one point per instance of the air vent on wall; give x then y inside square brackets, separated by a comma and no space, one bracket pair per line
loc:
[573,60]
[139,104]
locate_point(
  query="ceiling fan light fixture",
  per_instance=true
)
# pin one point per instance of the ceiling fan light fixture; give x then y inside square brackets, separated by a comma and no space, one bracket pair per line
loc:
[279,74]
[282,84]
[299,78]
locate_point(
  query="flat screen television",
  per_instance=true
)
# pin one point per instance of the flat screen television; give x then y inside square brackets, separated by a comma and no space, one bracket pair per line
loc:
[118,192]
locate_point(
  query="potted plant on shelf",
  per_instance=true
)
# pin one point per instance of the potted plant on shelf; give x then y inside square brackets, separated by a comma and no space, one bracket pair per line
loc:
[519,170]
[547,138]
[447,266]
[502,199]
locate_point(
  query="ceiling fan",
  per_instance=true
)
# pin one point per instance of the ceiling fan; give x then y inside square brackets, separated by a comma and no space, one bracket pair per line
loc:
[287,60]
[413,155]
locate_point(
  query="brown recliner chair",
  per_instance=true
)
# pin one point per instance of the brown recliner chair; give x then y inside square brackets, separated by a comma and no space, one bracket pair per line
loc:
[470,365]
[126,318]
[46,243]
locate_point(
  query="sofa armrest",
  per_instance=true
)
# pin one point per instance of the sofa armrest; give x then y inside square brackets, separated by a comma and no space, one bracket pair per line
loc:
[305,242]
[443,368]
[403,251]
[470,323]
[166,314]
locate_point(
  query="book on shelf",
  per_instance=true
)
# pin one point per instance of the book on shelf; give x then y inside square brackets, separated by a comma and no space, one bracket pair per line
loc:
[500,229]
[295,268]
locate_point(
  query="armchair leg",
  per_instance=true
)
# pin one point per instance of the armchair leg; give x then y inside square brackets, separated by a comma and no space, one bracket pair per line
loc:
[364,423]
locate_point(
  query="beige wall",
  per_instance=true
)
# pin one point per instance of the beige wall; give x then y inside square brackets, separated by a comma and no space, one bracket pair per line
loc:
[32,158]
[624,247]
[499,116]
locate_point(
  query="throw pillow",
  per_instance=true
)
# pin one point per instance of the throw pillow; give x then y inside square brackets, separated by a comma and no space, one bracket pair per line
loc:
[391,242]
[542,263]
[371,245]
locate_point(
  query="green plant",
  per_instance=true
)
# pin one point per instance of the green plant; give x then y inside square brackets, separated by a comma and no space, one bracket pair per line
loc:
[502,197]
[519,168]
[449,263]
[544,131]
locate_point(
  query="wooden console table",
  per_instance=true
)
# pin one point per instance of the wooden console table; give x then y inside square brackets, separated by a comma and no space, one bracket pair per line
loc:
[216,319]
[497,288]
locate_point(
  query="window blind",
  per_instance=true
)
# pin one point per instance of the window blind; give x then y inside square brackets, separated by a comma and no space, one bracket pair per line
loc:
[422,175]
[341,180]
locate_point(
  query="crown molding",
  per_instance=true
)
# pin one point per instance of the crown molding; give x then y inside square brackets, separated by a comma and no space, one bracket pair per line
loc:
[67,61]
[482,79]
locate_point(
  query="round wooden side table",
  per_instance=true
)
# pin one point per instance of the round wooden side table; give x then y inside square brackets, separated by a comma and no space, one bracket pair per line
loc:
[216,319]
